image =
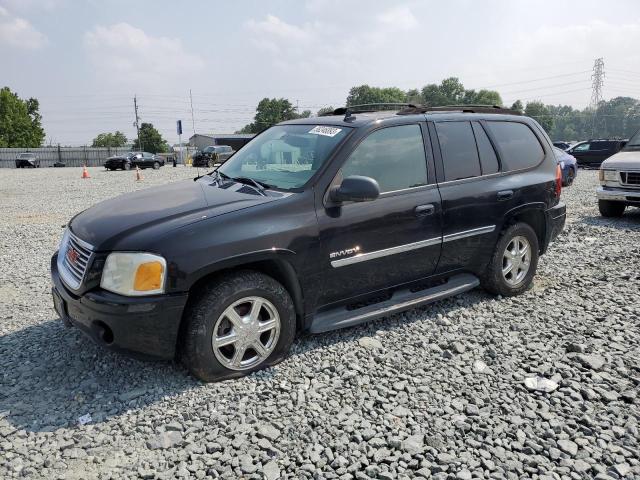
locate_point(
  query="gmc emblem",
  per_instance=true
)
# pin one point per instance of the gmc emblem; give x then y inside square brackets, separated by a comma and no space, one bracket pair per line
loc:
[72,255]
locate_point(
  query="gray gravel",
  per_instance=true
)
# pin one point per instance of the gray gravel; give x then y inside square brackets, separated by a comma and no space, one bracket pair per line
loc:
[439,392]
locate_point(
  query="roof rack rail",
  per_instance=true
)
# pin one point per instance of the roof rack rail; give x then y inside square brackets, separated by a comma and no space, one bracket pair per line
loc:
[368,107]
[413,109]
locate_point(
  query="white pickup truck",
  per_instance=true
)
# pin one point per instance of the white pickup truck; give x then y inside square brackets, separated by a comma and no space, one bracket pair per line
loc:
[620,180]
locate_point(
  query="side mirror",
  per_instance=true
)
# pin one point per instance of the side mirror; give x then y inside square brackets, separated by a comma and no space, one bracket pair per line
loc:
[355,188]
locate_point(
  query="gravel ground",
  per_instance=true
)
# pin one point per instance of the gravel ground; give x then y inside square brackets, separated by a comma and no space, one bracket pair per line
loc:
[544,385]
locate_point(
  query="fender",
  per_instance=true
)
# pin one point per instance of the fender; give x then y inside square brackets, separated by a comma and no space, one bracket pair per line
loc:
[277,262]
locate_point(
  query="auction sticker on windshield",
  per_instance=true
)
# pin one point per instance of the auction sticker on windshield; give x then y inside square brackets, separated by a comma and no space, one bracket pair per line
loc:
[326,131]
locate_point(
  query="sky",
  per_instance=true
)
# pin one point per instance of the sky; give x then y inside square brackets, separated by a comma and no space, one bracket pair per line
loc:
[85,60]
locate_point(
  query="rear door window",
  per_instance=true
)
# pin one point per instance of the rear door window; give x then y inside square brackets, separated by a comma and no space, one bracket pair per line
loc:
[519,146]
[488,157]
[602,146]
[393,156]
[459,152]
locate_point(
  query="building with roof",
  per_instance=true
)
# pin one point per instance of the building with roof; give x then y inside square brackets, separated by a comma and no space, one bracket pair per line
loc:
[234,140]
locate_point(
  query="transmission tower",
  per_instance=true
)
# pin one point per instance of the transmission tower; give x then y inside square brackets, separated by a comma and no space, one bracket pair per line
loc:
[597,80]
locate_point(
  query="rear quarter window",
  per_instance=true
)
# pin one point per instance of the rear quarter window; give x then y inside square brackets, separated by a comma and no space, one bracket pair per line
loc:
[519,146]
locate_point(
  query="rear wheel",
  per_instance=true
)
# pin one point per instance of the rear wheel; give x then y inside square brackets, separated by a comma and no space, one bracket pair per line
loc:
[126,166]
[514,262]
[156,165]
[240,323]
[571,176]
[611,209]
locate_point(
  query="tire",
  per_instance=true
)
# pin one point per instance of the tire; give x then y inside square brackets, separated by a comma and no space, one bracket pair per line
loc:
[494,279]
[571,176]
[126,166]
[609,208]
[156,165]
[207,312]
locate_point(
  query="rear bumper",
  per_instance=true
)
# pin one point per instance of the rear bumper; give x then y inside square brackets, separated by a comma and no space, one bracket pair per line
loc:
[145,326]
[555,219]
[618,195]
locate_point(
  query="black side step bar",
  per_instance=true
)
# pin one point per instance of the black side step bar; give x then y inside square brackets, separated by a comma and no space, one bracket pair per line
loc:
[401,300]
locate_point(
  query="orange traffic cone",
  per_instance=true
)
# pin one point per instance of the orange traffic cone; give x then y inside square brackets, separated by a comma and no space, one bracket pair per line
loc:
[85,172]
[138,176]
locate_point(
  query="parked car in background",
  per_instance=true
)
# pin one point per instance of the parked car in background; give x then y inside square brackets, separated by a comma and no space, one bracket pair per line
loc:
[620,180]
[568,164]
[133,160]
[212,155]
[27,160]
[352,217]
[593,152]
[562,145]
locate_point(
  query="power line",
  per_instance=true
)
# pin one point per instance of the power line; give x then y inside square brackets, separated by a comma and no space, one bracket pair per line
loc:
[535,80]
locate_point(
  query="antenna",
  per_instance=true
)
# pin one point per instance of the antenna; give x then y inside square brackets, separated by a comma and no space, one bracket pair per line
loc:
[597,78]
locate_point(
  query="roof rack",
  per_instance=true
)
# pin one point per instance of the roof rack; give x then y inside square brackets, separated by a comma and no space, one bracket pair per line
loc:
[368,107]
[413,109]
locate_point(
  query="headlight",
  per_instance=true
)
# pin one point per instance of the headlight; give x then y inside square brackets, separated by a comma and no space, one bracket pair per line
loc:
[608,175]
[134,274]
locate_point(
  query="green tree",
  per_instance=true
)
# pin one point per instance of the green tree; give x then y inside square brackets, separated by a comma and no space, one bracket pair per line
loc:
[271,111]
[20,121]
[325,111]
[151,140]
[364,94]
[451,91]
[517,106]
[540,112]
[117,139]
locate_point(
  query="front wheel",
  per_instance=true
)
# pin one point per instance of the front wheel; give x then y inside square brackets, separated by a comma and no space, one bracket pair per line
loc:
[514,262]
[156,165]
[611,209]
[239,323]
[126,166]
[571,176]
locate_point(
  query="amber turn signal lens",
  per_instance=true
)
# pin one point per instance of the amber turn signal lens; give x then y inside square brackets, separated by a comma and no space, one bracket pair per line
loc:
[148,277]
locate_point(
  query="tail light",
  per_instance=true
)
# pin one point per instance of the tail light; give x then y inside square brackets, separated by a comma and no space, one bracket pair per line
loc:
[558,181]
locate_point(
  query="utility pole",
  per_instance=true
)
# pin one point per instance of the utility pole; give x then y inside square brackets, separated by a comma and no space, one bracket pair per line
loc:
[597,81]
[136,123]
[193,122]
[298,107]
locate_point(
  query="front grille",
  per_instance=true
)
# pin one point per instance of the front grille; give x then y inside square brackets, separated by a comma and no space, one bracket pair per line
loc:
[630,178]
[73,260]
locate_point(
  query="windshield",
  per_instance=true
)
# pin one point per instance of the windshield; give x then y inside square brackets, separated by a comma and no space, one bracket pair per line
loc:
[634,141]
[26,155]
[208,149]
[285,156]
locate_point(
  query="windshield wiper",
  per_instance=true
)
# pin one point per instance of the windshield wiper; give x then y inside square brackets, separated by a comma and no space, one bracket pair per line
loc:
[260,186]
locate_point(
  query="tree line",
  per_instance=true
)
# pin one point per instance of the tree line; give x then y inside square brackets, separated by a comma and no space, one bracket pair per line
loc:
[619,117]
[615,118]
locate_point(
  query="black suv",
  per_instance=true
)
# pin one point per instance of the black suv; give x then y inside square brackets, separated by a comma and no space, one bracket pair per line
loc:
[212,155]
[316,224]
[27,160]
[593,152]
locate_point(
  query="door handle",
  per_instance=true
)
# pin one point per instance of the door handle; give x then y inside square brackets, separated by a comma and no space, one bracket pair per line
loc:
[424,210]
[505,195]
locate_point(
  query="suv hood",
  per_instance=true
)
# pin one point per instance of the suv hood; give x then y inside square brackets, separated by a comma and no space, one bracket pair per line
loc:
[150,213]
[623,160]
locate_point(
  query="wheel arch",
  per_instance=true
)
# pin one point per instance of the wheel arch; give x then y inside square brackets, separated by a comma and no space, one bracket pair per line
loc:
[274,263]
[532,214]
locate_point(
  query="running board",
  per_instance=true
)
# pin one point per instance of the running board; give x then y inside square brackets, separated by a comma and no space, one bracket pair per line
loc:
[401,300]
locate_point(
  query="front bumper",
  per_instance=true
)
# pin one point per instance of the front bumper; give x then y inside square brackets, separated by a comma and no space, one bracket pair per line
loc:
[555,219]
[146,326]
[618,195]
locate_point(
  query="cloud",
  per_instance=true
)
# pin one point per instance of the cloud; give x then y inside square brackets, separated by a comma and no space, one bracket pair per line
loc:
[129,55]
[18,32]
[400,18]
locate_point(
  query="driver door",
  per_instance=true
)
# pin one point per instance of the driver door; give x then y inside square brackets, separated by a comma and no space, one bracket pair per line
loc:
[395,239]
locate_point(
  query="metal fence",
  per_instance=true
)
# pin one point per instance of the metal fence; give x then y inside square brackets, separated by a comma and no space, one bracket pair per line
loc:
[69,156]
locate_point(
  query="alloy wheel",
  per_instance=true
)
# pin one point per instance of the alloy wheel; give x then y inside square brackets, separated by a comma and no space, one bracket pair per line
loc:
[516,260]
[246,333]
